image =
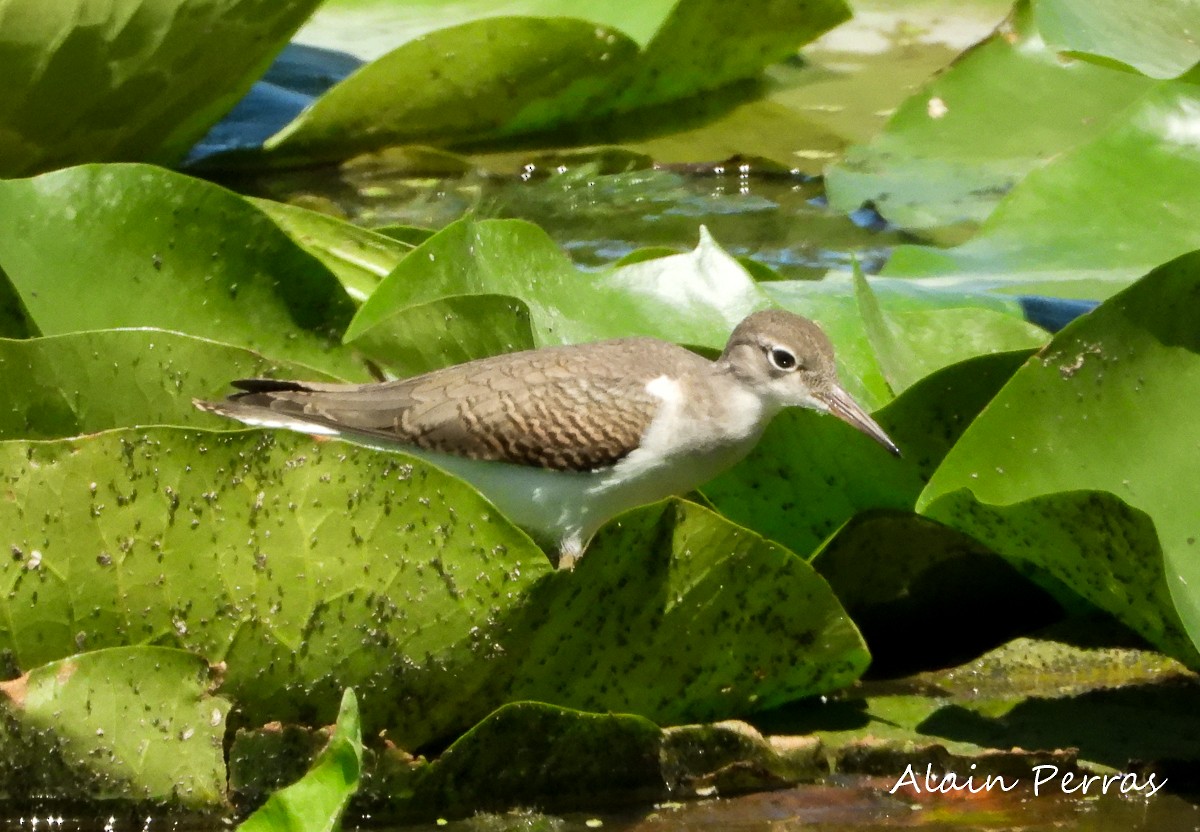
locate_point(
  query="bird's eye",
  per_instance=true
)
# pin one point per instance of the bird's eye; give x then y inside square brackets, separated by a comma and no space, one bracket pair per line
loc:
[781,358]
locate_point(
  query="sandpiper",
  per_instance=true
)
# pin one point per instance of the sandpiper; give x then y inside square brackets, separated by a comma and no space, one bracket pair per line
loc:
[561,439]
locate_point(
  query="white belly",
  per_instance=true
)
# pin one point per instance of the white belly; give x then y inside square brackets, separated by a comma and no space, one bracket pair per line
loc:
[565,508]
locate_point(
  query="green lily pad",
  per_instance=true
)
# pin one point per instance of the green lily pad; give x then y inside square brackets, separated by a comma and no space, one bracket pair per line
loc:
[236,546]
[1156,38]
[950,153]
[1087,224]
[928,418]
[1100,420]
[316,802]
[360,258]
[475,279]
[108,246]
[85,382]
[808,475]
[481,287]
[911,345]
[530,753]
[1033,701]
[488,78]
[80,75]
[132,723]
[933,328]
[308,568]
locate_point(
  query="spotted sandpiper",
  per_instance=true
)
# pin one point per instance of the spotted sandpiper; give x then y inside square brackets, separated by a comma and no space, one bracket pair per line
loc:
[561,439]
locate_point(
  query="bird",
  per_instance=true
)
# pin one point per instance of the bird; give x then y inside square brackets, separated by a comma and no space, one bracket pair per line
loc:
[563,438]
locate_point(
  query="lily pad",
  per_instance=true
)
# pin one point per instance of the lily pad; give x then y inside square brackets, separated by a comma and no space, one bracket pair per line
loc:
[488,78]
[530,753]
[316,802]
[912,345]
[950,154]
[360,258]
[510,266]
[107,246]
[85,382]
[1013,708]
[96,80]
[308,568]
[1100,419]
[932,328]
[132,723]
[1156,38]
[1035,241]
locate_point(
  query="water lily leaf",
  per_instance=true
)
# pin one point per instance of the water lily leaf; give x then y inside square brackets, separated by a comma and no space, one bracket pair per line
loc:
[896,358]
[901,575]
[525,288]
[932,328]
[1013,708]
[605,637]
[482,287]
[1155,38]
[495,76]
[316,802]
[235,546]
[1035,243]
[107,246]
[1075,466]
[80,75]
[238,546]
[928,418]
[359,257]
[912,344]
[85,382]
[808,475]
[131,723]
[949,154]
[488,78]
[530,753]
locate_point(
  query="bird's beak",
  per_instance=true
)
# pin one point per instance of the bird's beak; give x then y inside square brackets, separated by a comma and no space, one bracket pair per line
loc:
[845,408]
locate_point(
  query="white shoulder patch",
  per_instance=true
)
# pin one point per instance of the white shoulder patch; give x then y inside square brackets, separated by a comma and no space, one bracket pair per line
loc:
[665,388]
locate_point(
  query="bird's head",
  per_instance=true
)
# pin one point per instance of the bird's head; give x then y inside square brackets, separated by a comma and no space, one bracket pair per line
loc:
[789,360]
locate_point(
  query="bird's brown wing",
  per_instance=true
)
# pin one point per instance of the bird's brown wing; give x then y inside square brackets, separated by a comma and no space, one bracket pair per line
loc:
[565,408]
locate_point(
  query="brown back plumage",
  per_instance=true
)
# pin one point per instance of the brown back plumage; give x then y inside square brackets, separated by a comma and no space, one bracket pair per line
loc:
[574,408]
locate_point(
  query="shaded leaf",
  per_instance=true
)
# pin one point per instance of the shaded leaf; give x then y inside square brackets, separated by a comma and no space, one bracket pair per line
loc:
[96,80]
[316,802]
[903,578]
[131,723]
[1106,407]
[531,753]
